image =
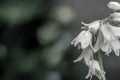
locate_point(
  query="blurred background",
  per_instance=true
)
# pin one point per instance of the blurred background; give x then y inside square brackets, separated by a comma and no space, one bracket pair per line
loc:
[35,38]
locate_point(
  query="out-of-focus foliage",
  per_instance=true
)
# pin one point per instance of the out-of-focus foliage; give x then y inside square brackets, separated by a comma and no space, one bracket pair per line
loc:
[35,38]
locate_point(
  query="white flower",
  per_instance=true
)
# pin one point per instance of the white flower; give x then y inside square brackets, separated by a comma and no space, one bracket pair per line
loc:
[101,44]
[107,40]
[94,69]
[93,26]
[87,55]
[83,40]
[110,41]
[114,6]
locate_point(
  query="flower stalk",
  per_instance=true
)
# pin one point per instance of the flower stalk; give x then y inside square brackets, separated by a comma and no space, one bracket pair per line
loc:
[100,60]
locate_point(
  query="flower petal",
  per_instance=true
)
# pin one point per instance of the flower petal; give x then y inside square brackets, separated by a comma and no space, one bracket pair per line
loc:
[83,40]
[78,38]
[94,69]
[86,40]
[93,25]
[86,54]
[115,30]
[107,32]
[98,42]
[106,47]
[116,47]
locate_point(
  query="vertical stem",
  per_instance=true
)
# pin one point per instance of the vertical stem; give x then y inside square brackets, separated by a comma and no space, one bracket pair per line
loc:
[101,63]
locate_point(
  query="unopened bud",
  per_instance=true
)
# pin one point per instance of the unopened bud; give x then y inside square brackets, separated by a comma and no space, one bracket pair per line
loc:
[115,15]
[114,6]
[114,18]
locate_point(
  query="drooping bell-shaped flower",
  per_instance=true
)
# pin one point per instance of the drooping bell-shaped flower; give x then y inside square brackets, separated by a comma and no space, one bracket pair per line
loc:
[86,55]
[94,69]
[111,41]
[83,40]
[101,44]
[107,41]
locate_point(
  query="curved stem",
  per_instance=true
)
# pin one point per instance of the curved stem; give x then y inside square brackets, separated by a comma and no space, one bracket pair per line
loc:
[101,63]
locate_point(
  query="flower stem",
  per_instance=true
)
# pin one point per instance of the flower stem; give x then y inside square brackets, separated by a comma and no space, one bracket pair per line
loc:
[101,63]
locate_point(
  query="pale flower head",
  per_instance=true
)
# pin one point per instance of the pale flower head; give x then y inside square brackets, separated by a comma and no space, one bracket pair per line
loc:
[94,69]
[110,41]
[83,40]
[107,39]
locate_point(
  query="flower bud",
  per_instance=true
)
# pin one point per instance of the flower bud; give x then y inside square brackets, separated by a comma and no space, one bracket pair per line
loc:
[115,15]
[117,20]
[114,6]
[114,18]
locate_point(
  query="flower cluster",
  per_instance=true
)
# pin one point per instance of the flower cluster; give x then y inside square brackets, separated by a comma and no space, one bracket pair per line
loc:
[106,32]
